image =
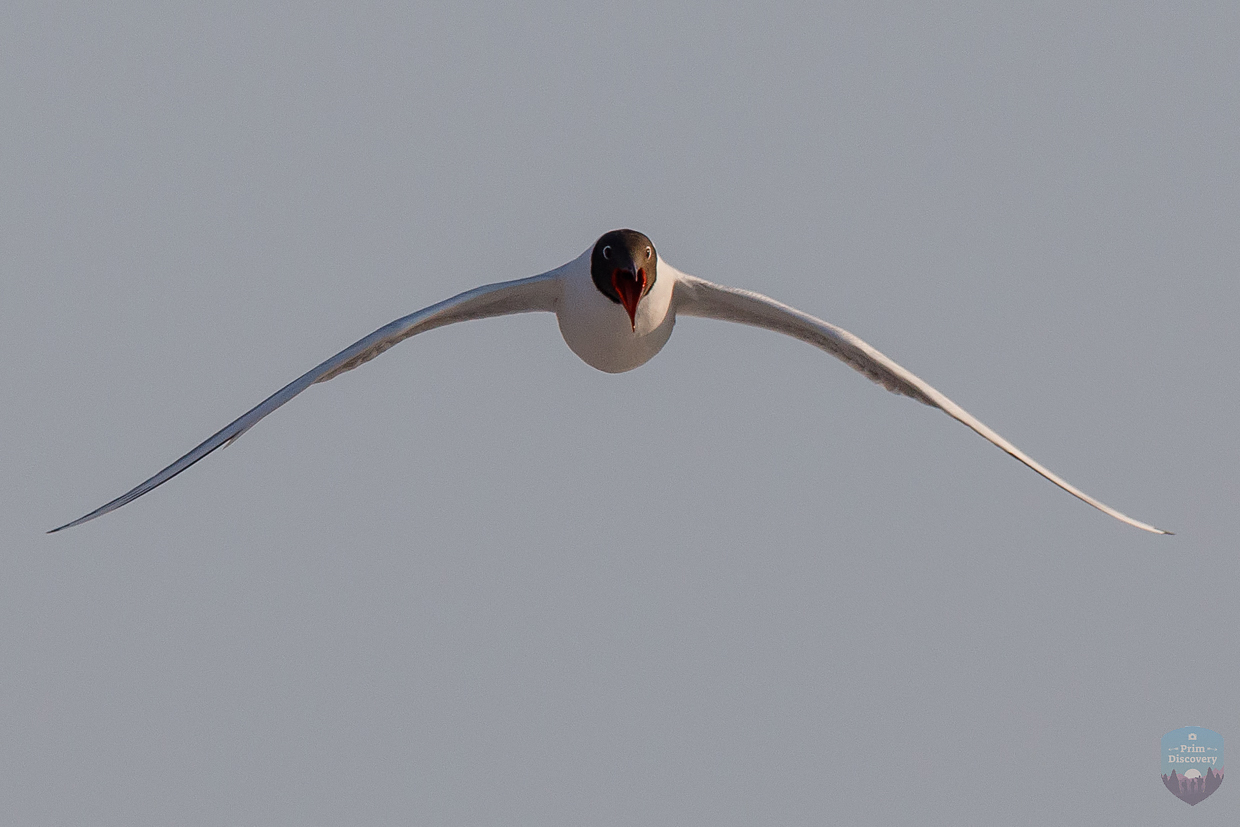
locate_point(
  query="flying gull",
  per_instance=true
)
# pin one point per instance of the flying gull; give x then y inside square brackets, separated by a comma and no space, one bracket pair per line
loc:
[619,280]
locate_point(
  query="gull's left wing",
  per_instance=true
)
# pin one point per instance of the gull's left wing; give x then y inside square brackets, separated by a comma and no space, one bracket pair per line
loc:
[522,296]
[696,297]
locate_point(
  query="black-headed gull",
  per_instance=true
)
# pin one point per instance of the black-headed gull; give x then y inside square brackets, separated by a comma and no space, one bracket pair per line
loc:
[616,304]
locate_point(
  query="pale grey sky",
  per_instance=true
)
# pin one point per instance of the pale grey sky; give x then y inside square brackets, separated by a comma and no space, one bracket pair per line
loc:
[477,582]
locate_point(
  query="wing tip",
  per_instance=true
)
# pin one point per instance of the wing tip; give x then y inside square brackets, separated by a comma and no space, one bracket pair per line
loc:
[1147,527]
[76,522]
[98,512]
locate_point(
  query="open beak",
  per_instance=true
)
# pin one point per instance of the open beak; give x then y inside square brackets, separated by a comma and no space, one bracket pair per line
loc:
[629,287]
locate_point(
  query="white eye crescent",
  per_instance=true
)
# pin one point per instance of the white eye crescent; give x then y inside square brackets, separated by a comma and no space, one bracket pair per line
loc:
[607,252]
[649,253]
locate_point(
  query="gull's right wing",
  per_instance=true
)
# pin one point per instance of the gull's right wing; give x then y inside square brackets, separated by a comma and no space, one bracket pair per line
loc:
[522,296]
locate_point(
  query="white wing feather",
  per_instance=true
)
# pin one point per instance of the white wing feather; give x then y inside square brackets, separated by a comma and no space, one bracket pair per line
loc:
[696,297]
[522,296]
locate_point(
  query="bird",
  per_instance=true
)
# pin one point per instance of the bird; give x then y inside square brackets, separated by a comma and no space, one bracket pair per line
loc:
[616,305]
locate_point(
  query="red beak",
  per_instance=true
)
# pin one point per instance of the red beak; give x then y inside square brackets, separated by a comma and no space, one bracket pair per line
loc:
[629,287]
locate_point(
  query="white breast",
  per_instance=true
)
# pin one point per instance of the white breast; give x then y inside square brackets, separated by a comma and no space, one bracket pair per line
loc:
[598,330]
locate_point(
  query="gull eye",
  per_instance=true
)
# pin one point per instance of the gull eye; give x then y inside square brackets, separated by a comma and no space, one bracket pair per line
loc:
[607,252]
[649,253]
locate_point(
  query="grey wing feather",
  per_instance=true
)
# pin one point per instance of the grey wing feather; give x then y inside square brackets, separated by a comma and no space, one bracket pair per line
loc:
[522,296]
[696,297]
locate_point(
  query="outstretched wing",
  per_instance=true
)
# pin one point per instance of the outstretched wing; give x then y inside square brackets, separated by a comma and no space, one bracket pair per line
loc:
[696,297]
[523,296]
